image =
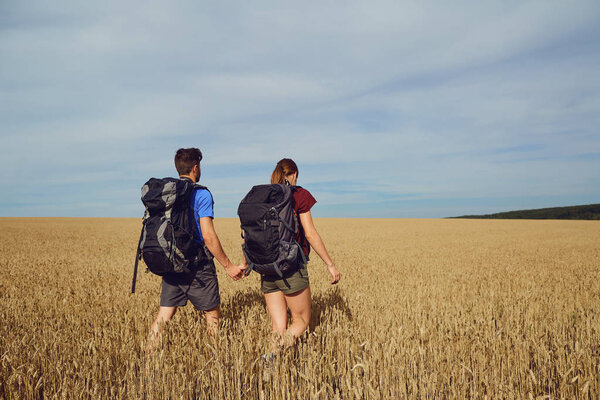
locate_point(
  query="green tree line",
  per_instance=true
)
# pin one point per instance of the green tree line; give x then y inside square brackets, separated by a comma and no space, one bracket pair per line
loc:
[587,212]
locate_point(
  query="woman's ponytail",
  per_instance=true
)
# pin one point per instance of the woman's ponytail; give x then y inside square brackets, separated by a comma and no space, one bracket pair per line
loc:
[284,168]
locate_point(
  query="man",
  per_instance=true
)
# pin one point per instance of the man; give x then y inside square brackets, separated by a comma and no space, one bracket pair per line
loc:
[201,287]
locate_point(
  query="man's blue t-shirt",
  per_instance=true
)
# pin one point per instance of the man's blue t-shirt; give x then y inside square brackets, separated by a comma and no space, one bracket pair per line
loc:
[202,203]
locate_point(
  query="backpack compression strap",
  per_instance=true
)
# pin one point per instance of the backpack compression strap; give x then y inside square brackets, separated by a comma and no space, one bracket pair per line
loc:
[304,260]
[138,255]
[251,265]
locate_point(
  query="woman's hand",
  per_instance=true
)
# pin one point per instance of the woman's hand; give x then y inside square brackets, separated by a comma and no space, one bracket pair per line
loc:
[317,244]
[335,274]
[235,272]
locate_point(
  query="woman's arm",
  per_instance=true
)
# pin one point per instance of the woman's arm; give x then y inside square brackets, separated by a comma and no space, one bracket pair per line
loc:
[317,244]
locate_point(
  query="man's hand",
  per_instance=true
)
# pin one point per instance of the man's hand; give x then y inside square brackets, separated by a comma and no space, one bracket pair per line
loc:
[235,272]
[214,245]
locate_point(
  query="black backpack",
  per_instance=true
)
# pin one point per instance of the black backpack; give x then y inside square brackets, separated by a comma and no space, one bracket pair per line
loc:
[269,226]
[167,242]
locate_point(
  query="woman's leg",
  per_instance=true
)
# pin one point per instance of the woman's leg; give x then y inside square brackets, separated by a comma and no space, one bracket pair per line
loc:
[299,304]
[278,311]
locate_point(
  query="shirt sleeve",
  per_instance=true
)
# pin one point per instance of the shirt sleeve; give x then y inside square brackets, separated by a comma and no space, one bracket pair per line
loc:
[304,200]
[203,204]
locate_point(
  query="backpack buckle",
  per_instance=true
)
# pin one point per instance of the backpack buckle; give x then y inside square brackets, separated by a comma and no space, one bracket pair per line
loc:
[274,216]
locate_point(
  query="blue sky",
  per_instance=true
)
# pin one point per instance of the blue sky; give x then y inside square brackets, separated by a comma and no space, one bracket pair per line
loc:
[390,108]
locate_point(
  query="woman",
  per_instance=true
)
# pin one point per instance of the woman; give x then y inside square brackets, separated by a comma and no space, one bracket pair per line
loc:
[293,290]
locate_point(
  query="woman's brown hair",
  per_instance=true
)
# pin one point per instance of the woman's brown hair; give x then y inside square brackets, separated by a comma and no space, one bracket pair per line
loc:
[284,168]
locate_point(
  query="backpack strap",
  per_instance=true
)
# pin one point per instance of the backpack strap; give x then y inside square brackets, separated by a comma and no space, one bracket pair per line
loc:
[196,186]
[288,227]
[204,251]
[276,268]
[297,222]
[250,263]
[248,269]
[301,250]
[294,231]
[138,256]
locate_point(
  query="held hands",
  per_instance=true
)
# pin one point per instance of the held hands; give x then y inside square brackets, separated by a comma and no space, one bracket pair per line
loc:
[335,274]
[235,272]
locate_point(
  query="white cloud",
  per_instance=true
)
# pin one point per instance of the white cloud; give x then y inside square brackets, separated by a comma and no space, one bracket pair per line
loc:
[440,99]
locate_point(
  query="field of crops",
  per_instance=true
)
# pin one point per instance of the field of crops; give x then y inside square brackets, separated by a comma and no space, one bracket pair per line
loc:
[425,309]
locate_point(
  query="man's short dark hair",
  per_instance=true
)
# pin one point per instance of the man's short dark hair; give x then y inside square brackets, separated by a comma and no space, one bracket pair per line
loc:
[185,159]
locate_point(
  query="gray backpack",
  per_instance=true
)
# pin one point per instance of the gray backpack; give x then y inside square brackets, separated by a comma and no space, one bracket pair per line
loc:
[167,241]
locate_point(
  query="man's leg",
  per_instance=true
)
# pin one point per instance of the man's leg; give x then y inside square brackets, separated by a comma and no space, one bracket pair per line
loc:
[164,315]
[212,320]
[203,293]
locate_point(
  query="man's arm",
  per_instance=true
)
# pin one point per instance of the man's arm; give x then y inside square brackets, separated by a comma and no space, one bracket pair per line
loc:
[214,245]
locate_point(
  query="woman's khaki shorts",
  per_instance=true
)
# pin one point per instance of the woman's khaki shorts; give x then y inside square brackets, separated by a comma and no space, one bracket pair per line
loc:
[292,283]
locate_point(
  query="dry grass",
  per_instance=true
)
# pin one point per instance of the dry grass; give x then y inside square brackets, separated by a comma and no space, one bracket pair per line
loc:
[425,309]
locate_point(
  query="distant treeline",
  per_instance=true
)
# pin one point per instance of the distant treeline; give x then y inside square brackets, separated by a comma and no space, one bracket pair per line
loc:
[590,211]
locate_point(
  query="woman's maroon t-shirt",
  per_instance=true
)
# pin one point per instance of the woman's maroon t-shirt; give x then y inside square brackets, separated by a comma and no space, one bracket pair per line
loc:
[303,202]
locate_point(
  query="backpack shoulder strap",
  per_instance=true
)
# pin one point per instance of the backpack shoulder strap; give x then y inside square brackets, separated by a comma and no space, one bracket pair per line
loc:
[203,246]
[196,186]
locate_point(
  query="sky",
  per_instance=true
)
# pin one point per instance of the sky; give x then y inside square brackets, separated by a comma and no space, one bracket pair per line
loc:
[393,109]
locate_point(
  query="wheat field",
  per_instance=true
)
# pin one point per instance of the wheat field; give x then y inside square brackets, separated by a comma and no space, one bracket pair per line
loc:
[426,309]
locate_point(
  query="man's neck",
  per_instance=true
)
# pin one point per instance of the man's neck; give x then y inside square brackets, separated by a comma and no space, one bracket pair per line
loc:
[187,176]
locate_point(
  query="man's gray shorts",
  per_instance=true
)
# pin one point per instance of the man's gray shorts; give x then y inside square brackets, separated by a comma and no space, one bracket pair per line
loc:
[201,289]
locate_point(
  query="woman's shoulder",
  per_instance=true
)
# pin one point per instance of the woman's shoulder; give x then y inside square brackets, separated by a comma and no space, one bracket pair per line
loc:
[300,190]
[304,199]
